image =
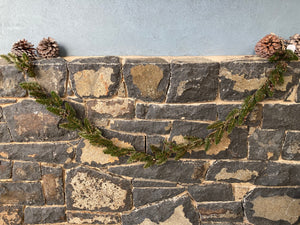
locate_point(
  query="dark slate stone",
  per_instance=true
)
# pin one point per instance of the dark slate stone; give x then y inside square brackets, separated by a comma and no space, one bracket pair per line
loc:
[4,133]
[106,193]
[48,152]
[141,126]
[95,77]
[204,112]
[152,183]
[177,171]
[11,215]
[51,74]
[21,193]
[7,101]
[193,81]
[26,171]
[10,78]
[273,206]
[53,186]
[42,215]
[291,146]
[30,121]
[143,196]
[178,209]
[211,192]
[156,140]
[1,115]
[88,218]
[221,211]
[5,169]
[298,95]
[235,171]
[147,79]
[265,144]
[137,141]
[79,108]
[276,116]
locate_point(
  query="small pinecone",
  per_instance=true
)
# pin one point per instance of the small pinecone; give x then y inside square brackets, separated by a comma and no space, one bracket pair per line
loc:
[23,46]
[48,48]
[295,40]
[268,45]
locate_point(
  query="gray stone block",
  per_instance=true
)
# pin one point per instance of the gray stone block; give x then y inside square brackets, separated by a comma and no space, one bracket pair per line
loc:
[147,79]
[95,218]
[12,215]
[4,133]
[273,206]
[26,171]
[7,101]
[152,183]
[291,146]
[156,140]
[179,209]
[95,77]
[43,215]
[193,81]
[5,169]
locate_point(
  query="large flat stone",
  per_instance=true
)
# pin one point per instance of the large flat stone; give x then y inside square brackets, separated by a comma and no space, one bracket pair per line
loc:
[273,206]
[30,121]
[177,210]
[11,215]
[93,190]
[95,77]
[193,81]
[44,215]
[26,171]
[291,146]
[147,79]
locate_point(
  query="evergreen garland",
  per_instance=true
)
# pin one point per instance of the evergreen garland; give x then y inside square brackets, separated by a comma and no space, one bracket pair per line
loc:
[86,130]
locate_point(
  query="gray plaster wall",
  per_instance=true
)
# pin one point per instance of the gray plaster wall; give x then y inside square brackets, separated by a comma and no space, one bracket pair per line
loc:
[148,27]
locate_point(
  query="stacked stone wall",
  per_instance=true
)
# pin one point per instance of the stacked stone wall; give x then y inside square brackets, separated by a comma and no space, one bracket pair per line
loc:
[50,176]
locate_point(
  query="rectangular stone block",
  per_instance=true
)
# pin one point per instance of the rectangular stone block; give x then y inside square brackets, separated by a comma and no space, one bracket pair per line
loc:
[291,146]
[10,78]
[152,183]
[26,171]
[43,215]
[5,169]
[204,112]
[92,218]
[11,215]
[95,77]
[193,81]
[278,116]
[48,152]
[147,79]
[4,133]
[21,193]
[141,126]
[156,140]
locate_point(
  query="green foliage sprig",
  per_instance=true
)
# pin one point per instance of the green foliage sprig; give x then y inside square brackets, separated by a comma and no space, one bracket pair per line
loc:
[235,118]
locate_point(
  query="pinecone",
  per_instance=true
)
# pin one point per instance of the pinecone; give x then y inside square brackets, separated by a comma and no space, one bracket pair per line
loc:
[23,46]
[48,48]
[268,45]
[295,40]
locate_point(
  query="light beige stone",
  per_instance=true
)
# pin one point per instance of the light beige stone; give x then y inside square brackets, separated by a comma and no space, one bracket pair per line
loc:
[244,175]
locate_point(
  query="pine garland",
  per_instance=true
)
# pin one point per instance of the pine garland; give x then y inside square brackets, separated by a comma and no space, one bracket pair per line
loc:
[159,156]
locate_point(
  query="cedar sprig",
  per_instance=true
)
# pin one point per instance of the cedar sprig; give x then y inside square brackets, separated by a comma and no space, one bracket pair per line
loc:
[23,63]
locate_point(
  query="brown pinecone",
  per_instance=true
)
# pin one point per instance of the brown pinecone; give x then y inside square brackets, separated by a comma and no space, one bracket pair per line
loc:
[295,40]
[268,45]
[23,46]
[48,48]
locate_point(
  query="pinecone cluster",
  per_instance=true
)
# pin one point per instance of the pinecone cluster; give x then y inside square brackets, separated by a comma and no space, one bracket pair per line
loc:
[47,48]
[295,40]
[268,45]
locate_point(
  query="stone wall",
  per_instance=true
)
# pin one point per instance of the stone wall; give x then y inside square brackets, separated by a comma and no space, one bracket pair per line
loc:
[50,176]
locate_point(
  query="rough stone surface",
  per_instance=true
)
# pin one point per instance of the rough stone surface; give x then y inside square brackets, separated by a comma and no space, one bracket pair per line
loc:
[100,110]
[147,79]
[221,211]
[177,171]
[141,126]
[30,121]
[204,112]
[21,193]
[235,171]
[193,82]
[11,215]
[211,192]
[88,218]
[105,192]
[7,101]
[42,215]
[273,206]
[95,77]
[291,146]
[10,78]
[265,144]
[4,133]
[143,196]
[155,140]
[178,210]
[277,116]
[5,169]
[152,183]
[46,152]
[26,171]
[52,178]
